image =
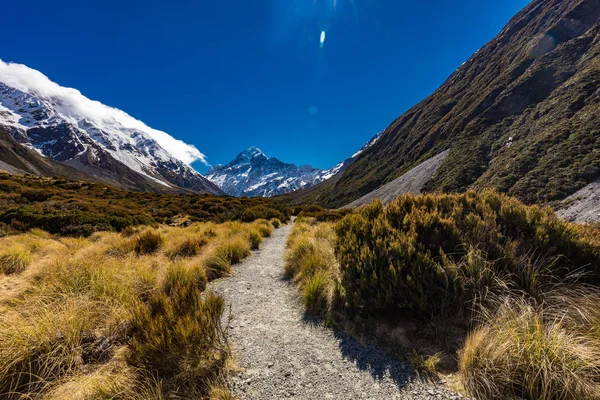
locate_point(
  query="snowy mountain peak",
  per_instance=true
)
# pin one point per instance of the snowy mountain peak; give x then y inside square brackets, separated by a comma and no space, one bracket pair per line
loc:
[250,155]
[252,173]
[62,124]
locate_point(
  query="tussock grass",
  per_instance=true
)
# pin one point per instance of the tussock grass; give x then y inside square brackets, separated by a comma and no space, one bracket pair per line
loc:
[111,381]
[425,366]
[118,316]
[188,247]
[519,351]
[220,393]
[263,227]
[148,242]
[310,262]
[45,341]
[255,239]
[14,261]
[316,293]
[276,222]
[234,249]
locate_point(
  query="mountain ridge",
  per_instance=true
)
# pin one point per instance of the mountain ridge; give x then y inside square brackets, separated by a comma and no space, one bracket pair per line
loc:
[521,116]
[99,141]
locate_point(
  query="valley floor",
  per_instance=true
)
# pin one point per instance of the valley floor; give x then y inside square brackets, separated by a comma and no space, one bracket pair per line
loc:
[284,353]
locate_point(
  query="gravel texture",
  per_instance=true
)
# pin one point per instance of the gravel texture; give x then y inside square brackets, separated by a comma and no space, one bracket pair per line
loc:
[284,353]
[584,205]
[411,182]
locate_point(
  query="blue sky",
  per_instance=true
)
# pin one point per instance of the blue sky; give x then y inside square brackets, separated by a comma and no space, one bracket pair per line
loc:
[225,75]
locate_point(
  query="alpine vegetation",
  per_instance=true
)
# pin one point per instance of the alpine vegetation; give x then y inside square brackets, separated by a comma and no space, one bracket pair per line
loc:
[116,315]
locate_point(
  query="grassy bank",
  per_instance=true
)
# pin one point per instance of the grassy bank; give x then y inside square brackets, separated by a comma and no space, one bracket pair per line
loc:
[118,315]
[499,293]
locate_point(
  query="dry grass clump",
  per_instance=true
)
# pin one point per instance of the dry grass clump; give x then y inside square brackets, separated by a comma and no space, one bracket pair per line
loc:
[14,261]
[178,335]
[148,242]
[44,342]
[92,318]
[263,227]
[188,247]
[425,366]
[255,239]
[276,222]
[111,381]
[521,352]
[310,262]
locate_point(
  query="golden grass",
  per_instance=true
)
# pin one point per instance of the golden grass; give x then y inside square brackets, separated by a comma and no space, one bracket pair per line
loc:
[117,315]
[310,262]
[425,366]
[148,242]
[522,351]
[14,261]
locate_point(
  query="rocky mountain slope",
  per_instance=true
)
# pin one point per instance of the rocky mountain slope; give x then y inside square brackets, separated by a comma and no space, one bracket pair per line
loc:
[522,116]
[99,141]
[252,173]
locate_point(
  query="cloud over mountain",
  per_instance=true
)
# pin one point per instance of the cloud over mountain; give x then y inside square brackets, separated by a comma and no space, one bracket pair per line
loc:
[75,105]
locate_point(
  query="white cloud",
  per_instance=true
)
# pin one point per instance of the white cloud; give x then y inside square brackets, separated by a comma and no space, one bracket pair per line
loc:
[77,105]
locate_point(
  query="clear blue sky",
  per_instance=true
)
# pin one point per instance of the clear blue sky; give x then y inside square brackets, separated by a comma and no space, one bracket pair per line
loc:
[228,74]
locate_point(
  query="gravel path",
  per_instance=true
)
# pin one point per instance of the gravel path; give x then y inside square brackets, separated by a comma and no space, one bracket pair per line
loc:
[283,354]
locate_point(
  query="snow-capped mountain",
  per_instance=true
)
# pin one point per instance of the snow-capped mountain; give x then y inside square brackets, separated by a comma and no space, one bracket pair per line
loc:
[252,173]
[104,142]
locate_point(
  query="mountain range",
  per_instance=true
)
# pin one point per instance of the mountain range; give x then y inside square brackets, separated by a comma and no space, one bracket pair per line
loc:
[253,174]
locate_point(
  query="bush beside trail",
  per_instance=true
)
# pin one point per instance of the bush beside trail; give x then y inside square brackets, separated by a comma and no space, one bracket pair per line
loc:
[509,291]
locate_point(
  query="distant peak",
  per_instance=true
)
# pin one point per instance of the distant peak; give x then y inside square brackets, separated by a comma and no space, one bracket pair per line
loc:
[250,155]
[253,151]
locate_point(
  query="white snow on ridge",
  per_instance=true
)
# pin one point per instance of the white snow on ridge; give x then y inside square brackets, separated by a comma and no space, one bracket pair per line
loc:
[70,105]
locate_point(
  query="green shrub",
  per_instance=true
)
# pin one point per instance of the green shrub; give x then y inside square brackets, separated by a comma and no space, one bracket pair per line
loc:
[148,242]
[62,206]
[276,223]
[435,253]
[260,212]
[296,210]
[321,215]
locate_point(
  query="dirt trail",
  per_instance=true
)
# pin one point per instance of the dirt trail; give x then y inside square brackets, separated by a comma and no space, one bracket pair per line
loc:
[284,355]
